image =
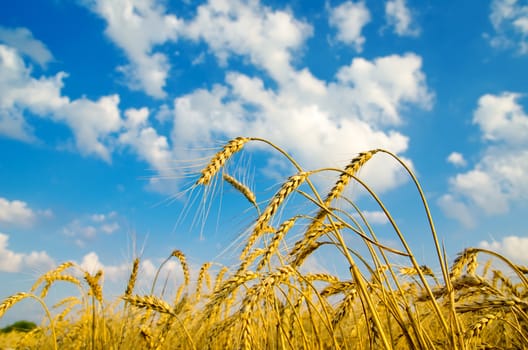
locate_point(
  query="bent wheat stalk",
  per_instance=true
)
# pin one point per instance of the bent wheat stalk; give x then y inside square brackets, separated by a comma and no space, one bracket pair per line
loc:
[15,298]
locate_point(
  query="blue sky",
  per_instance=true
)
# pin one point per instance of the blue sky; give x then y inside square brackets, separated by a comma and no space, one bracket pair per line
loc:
[109,108]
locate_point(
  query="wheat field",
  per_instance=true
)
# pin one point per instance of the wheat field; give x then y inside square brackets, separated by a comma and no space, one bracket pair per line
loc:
[268,300]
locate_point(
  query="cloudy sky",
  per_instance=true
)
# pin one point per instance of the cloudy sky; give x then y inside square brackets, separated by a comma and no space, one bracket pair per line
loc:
[108,109]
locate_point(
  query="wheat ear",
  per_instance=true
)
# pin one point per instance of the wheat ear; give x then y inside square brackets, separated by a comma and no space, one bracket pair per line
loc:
[277,238]
[287,188]
[56,271]
[185,267]
[240,187]
[149,302]
[466,258]
[93,282]
[220,159]
[133,277]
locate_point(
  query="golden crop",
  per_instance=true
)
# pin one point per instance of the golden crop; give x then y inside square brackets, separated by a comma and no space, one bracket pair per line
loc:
[268,302]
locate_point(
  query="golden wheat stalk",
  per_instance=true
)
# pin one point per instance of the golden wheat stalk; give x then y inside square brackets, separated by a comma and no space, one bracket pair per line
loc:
[256,294]
[70,303]
[149,302]
[15,298]
[312,233]
[351,169]
[240,187]
[338,287]
[344,307]
[218,161]
[277,238]
[201,276]
[507,284]
[249,259]
[412,271]
[133,277]
[183,261]
[344,179]
[286,189]
[93,282]
[476,329]
[56,276]
[12,300]
[226,289]
[46,276]
[305,252]
[324,277]
[465,258]
[219,277]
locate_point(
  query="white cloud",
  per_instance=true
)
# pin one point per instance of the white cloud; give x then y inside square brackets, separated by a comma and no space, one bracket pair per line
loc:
[137,27]
[498,179]
[97,126]
[380,87]
[510,21]
[246,28]
[322,123]
[349,18]
[148,145]
[399,16]
[457,159]
[456,209]
[267,37]
[11,261]
[93,123]
[19,91]
[501,118]
[110,227]
[375,217]
[22,40]
[15,213]
[512,247]
[89,227]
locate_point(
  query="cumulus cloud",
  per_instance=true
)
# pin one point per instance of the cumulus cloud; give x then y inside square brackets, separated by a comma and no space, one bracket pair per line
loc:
[246,28]
[238,27]
[96,125]
[383,85]
[400,18]
[22,39]
[93,123]
[510,21]
[322,123]
[18,213]
[501,118]
[498,179]
[138,27]
[19,91]
[375,217]
[145,141]
[87,228]
[11,261]
[457,159]
[512,247]
[349,18]
[456,209]
[15,213]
